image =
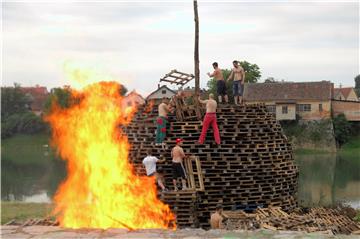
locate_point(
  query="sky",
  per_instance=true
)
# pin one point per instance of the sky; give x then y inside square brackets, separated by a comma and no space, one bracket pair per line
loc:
[137,43]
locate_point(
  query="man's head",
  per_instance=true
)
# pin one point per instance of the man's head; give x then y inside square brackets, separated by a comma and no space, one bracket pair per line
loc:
[219,208]
[235,63]
[149,152]
[179,141]
[165,100]
[211,96]
[215,65]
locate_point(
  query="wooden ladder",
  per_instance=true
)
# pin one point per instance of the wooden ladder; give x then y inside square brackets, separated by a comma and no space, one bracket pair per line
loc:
[197,183]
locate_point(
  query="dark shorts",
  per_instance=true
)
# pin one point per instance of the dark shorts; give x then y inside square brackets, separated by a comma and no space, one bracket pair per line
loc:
[221,87]
[238,88]
[178,171]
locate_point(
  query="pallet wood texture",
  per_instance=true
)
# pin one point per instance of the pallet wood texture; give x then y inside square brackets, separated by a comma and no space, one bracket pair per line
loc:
[252,167]
[273,218]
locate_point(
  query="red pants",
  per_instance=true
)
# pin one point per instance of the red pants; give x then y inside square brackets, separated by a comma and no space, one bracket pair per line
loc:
[210,118]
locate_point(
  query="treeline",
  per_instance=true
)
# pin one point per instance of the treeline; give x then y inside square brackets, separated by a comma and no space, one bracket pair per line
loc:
[17,116]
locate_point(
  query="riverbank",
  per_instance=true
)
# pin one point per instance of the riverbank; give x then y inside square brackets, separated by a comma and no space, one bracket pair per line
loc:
[21,211]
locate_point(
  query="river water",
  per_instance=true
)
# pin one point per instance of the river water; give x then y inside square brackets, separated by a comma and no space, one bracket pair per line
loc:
[325,179]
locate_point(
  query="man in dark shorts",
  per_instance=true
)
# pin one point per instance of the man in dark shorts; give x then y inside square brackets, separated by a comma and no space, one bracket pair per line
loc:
[178,171]
[238,74]
[220,82]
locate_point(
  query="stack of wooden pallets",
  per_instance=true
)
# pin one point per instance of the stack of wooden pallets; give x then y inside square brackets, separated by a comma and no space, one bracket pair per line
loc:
[252,167]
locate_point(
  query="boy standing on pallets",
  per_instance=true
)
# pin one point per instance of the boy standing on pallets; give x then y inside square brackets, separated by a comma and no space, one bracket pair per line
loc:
[178,171]
[150,166]
[220,83]
[161,122]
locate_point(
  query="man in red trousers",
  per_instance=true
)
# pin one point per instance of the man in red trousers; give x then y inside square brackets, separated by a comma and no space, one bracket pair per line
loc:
[210,119]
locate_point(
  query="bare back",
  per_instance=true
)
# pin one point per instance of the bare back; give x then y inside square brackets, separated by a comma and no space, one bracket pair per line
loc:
[163,109]
[177,154]
[216,221]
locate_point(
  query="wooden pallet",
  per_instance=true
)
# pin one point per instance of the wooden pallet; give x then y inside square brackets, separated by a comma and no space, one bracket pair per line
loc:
[253,166]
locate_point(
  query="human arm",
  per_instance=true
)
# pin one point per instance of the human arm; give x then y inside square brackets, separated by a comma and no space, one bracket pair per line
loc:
[202,101]
[211,74]
[243,76]
[161,160]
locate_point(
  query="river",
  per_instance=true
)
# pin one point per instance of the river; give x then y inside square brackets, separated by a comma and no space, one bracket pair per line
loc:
[34,175]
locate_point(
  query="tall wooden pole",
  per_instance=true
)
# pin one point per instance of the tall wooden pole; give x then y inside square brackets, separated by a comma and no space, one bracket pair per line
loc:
[196,50]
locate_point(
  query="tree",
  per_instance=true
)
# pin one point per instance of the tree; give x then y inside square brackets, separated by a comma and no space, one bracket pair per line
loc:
[16,116]
[342,129]
[252,72]
[357,85]
[270,80]
[13,101]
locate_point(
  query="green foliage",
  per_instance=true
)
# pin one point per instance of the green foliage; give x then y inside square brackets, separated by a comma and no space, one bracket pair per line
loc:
[357,85]
[270,80]
[15,114]
[60,96]
[26,122]
[252,72]
[342,129]
[13,101]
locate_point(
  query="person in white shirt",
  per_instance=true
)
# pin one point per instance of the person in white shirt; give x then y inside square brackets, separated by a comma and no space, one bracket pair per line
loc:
[150,166]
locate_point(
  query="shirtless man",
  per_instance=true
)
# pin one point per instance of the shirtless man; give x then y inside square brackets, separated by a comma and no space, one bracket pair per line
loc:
[210,118]
[161,122]
[178,171]
[220,82]
[217,218]
[238,84]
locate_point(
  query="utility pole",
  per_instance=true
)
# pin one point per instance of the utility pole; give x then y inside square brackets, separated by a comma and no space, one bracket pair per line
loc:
[196,51]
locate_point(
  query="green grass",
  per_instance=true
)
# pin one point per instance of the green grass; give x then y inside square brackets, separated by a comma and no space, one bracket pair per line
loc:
[302,151]
[26,149]
[22,211]
[352,147]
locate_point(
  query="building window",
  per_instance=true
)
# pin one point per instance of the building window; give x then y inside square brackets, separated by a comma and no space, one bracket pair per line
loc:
[271,108]
[163,92]
[285,109]
[303,107]
[320,108]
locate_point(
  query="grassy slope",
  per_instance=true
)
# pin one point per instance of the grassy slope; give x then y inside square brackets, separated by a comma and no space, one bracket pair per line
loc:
[23,211]
[352,147]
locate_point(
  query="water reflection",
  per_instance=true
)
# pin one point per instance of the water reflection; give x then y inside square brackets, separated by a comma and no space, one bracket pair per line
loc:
[326,179]
[31,182]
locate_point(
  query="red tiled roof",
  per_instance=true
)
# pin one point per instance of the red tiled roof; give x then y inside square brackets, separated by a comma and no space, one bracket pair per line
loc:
[288,91]
[344,91]
[38,96]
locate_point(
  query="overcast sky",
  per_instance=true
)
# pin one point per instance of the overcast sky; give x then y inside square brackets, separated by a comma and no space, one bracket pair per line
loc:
[137,43]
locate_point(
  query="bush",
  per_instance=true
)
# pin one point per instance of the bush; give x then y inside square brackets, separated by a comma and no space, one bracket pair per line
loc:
[342,129]
[27,123]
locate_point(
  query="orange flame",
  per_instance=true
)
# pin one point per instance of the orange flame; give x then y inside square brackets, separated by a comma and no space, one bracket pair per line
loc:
[101,189]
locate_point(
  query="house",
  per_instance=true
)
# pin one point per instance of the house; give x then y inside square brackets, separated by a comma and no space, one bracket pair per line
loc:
[347,93]
[161,92]
[132,99]
[38,96]
[287,100]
